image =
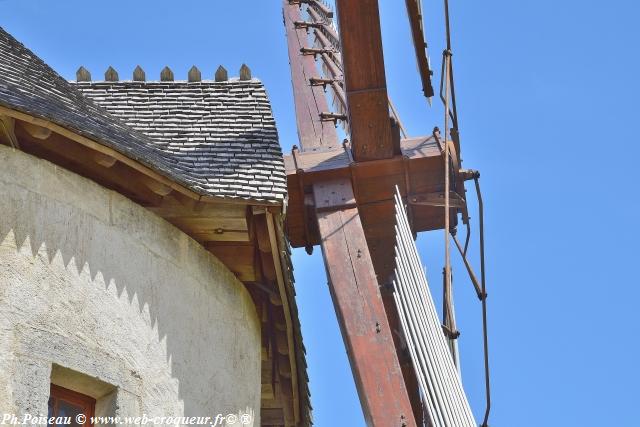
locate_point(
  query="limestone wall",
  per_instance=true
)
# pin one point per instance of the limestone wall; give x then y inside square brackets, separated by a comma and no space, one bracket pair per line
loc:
[99,292]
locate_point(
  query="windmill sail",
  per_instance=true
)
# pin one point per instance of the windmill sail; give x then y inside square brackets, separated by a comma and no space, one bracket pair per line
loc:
[443,396]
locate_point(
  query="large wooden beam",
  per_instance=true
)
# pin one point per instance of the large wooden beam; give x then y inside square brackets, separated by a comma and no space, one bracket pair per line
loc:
[364,78]
[359,307]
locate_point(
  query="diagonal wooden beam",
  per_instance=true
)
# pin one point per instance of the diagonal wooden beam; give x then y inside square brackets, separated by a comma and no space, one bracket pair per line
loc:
[364,78]
[310,101]
[420,45]
[359,307]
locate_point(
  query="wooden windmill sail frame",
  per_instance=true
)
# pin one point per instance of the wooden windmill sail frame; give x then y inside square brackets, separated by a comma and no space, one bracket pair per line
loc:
[341,196]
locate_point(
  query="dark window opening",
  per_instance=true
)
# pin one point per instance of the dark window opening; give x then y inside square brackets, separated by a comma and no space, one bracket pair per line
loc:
[68,404]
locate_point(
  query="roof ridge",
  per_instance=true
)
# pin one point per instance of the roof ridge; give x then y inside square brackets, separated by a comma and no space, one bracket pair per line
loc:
[194,75]
[230,80]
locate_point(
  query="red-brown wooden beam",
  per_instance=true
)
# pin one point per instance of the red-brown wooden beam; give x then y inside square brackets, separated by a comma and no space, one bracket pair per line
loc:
[420,46]
[382,388]
[359,307]
[313,133]
[364,78]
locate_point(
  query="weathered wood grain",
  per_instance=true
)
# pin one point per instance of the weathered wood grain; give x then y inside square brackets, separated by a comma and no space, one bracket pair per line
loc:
[361,314]
[365,80]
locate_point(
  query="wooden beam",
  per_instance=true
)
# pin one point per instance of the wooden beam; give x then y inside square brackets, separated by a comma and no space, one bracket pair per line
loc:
[240,259]
[38,132]
[361,314]
[282,391]
[216,227]
[157,187]
[262,233]
[104,160]
[419,171]
[272,417]
[266,391]
[179,206]
[364,78]
[420,46]
[96,146]
[8,131]
[275,251]
[79,159]
[330,162]
[314,134]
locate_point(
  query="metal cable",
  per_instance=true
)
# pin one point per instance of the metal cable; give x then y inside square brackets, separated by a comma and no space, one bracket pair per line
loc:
[481,291]
[448,307]
[449,89]
[449,52]
[485,338]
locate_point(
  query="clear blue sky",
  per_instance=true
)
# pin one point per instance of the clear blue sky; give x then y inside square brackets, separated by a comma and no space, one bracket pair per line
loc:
[548,100]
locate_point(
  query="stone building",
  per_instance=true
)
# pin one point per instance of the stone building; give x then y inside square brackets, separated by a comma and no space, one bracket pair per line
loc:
[143,264]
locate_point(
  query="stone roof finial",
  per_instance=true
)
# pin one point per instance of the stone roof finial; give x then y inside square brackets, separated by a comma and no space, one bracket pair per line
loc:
[194,74]
[166,75]
[245,72]
[221,74]
[111,75]
[83,75]
[139,74]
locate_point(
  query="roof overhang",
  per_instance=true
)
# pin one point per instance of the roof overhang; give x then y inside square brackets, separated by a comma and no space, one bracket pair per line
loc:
[246,235]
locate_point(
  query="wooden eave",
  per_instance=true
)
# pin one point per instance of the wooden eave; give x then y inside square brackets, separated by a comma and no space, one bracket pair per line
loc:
[242,234]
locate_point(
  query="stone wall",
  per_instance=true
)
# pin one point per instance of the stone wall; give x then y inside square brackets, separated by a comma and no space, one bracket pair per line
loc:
[94,288]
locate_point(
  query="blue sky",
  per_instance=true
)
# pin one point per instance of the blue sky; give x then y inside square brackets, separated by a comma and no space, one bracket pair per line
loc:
[547,94]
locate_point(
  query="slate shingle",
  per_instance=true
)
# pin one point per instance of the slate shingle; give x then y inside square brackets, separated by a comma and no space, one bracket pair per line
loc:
[196,134]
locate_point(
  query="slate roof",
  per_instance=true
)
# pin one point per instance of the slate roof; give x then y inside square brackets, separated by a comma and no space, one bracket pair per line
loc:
[223,131]
[225,144]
